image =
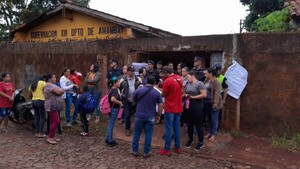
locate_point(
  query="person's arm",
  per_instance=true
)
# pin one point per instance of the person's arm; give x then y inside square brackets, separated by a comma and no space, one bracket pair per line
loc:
[63,82]
[57,91]
[217,93]
[6,96]
[225,88]
[116,101]
[199,96]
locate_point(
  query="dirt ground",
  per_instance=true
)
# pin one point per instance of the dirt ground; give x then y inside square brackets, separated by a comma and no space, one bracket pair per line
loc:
[230,150]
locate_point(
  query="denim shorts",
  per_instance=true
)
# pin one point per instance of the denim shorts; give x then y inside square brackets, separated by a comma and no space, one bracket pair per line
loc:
[4,112]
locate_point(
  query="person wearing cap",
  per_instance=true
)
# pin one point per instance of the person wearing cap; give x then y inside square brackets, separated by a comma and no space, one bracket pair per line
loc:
[224,88]
[152,72]
[114,70]
[172,91]
[198,68]
[128,85]
[159,65]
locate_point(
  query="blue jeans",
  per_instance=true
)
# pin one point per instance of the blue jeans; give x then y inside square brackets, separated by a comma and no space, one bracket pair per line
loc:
[148,126]
[172,121]
[214,122]
[69,100]
[111,122]
[96,96]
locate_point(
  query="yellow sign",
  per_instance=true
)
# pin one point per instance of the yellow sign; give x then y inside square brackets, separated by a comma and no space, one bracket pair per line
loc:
[80,27]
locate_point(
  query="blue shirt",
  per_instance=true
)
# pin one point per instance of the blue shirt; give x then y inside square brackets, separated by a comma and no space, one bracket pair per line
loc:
[146,108]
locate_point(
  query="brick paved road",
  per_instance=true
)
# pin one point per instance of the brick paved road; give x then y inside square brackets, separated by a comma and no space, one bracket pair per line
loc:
[20,149]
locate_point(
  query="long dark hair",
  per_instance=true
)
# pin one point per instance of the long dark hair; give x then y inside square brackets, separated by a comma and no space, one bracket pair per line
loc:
[3,75]
[33,85]
[64,70]
[48,77]
[96,67]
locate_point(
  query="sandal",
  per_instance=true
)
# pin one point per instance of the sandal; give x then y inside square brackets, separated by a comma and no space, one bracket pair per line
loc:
[51,141]
[207,136]
[212,138]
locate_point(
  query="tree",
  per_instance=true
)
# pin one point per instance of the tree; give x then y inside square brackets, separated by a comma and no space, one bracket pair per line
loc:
[274,22]
[259,9]
[16,12]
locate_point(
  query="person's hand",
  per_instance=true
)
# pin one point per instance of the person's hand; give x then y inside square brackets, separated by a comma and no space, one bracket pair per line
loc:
[121,105]
[77,86]
[215,107]
[11,99]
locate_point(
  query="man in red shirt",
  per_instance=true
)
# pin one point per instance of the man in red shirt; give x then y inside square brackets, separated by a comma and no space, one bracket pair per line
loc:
[172,91]
[6,98]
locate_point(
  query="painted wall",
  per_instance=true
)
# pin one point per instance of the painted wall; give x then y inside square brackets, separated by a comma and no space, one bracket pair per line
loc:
[271,97]
[74,26]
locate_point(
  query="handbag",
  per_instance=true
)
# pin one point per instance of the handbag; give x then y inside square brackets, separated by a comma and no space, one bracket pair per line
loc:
[56,104]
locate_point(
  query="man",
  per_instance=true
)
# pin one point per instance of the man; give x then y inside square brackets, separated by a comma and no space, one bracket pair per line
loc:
[146,98]
[224,89]
[129,84]
[172,91]
[152,72]
[198,68]
[159,65]
[114,70]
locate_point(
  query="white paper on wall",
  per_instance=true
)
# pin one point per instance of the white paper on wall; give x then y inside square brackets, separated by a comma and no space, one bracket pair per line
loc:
[236,76]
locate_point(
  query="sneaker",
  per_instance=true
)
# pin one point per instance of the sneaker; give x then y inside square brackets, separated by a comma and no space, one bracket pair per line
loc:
[189,143]
[41,135]
[69,124]
[135,154]
[178,150]
[127,132]
[199,146]
[106,141]
[51,141]
[57,139]
[146,155]
[164,152]
[112,144]
[97,119]
[84,134]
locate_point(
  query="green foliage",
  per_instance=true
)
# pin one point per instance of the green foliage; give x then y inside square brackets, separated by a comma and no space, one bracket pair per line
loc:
[259,9]
[274,22]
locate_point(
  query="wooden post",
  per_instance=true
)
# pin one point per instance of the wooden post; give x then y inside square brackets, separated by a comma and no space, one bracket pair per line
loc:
[238,114]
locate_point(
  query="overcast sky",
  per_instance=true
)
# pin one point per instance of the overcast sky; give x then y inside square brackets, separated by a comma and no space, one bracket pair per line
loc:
[184,17]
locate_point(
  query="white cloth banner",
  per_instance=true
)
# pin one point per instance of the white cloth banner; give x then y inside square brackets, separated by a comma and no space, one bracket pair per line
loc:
[236,79]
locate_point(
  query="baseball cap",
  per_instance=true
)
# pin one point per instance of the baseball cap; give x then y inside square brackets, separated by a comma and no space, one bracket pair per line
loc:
[217,66]
[151,62]
[131,68]
[198,58]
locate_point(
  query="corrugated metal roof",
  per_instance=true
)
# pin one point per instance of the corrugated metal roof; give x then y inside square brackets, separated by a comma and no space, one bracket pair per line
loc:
[97,14]
[293,7]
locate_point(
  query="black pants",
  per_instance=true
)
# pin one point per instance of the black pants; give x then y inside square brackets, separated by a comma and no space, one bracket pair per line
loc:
[194,118]
[84,121]
[40,115]
[129,110]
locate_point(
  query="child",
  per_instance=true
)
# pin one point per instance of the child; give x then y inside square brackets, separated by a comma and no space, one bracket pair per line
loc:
[75,77]
[83,112]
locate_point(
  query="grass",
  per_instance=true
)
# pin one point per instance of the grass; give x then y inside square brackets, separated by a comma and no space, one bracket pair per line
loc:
[286,139]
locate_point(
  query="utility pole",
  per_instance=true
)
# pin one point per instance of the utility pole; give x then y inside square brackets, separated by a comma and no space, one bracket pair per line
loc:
[241,25]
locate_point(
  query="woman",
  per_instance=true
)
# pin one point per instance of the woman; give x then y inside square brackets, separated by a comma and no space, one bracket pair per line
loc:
[194,93]
[93,82]
[52,92]
[216,103]
[184,75]
[143,74]
[6,98]
[115,102]
[36,90]
[70,96]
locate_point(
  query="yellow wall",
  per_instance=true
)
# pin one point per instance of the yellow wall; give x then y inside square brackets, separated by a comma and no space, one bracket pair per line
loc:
[82,27]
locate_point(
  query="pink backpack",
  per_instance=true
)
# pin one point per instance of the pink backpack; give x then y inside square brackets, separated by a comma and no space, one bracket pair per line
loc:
[104,104]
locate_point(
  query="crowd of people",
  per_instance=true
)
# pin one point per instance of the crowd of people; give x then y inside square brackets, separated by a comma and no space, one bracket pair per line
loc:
[190,98]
